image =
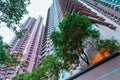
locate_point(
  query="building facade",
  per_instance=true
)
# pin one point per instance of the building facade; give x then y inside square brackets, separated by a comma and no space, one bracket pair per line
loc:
[110,8]
[53,18]
[56,13]
[28,46]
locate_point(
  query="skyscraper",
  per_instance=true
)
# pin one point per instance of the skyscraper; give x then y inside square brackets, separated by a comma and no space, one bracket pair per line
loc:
[30,44]
[57,12]
[26,49]
[53,18]
[110,8]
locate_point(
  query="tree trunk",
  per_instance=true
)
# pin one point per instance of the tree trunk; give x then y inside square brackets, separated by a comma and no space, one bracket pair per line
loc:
[86,61]
[57,75]
[86,57]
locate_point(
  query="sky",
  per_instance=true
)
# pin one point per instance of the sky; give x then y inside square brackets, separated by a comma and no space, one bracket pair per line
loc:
[36,8]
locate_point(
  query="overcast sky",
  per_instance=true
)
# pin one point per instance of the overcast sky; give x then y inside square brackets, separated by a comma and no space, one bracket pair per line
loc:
[36,8]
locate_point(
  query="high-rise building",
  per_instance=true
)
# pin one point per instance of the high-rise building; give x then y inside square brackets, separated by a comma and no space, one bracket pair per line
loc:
[29,46]
[110,8]
[57,12]
[53,18]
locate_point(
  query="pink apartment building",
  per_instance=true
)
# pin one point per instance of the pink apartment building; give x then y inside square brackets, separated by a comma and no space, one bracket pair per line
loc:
[29,46]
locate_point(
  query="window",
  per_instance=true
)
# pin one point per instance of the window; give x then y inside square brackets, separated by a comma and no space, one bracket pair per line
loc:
[28,59]
[29,55]
[112,15]
[30,52]
[31,47]
[119,19]
[115,17]
[24,70]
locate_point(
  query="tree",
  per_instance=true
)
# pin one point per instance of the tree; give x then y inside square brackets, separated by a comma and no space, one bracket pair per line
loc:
[18,56]
[49,69]
[12,61]
[12,11]
[39,73]
[5,57]
[4,49]
[110,45]
[24,76]
[55,36]
[74,30]
[54,65]
[19,34]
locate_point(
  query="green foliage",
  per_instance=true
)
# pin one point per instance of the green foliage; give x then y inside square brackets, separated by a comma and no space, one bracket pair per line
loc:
[53,64]
[12,60]
[5,57]
[4,49]
[49,69]
[74,26]
[19,34]
[39,72]
[55,36]
[111,44]
[74,29]
[94,33]
[24,76]
[12,11]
